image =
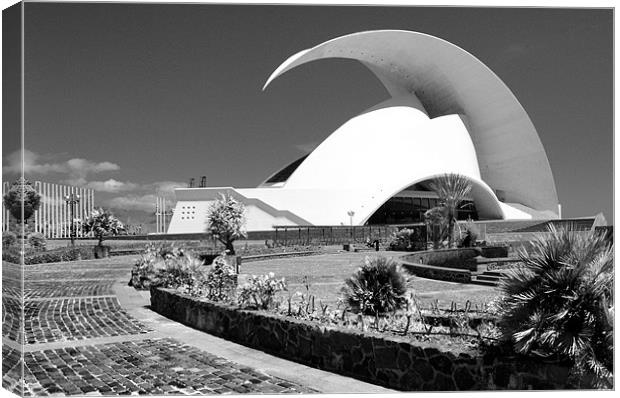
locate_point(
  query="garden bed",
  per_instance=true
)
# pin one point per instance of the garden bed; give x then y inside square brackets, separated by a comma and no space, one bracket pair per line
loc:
[385,359]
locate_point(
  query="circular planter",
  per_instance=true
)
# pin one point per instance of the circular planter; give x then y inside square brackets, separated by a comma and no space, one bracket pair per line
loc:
[102,251]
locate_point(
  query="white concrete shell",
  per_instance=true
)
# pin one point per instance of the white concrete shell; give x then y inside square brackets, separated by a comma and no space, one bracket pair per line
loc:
[444,79]
[448,114]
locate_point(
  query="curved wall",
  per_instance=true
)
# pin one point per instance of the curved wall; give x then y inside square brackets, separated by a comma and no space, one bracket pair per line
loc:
[443,79]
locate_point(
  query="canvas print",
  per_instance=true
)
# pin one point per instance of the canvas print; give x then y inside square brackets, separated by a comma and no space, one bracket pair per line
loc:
[302,199]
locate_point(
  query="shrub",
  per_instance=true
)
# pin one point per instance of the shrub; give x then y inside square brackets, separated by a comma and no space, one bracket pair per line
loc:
[560,302]
[259,292]
[472,233]
[9,238]
[167,266]
[408,239]
[37,241]
[145,269]
[11,254]
[221,280]
[102,223]
[378,287]
[401,240]
[58,255]
[437,223]
[182,272]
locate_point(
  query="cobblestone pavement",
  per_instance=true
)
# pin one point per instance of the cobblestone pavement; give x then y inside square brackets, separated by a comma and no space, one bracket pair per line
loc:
[79,340]
[46,290]
[76,318]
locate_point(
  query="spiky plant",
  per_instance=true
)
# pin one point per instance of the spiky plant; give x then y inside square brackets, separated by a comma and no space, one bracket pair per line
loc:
[451,189]
[378,287]
[559,302]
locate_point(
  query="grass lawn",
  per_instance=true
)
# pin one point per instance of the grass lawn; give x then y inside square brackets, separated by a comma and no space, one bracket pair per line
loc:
[327,272]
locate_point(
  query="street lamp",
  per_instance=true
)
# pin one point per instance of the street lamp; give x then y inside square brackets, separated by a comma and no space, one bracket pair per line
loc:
[351,213]
[72,200]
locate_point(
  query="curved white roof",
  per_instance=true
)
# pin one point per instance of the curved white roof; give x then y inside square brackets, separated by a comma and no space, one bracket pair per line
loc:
[442,79]
[448,114]
[378,154]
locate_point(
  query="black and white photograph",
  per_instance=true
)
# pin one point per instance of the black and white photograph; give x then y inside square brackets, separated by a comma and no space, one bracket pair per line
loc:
[205,198]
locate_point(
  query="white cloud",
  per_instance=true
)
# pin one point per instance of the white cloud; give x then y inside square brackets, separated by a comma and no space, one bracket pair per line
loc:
[80,166]
[76,168]
[145,196]
[136,196]
[111,185]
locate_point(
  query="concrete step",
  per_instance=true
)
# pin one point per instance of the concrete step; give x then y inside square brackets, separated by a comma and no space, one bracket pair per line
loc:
[476,281]
[498,274]
[489,278]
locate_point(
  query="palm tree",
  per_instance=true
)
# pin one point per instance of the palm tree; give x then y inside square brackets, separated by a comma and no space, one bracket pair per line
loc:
[452,190]
[560,302]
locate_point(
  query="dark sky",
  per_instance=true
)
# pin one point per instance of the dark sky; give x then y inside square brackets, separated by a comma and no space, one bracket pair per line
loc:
[150,95]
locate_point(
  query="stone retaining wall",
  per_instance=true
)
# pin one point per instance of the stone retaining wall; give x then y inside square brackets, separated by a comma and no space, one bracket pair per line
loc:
[438,273]
[393,362]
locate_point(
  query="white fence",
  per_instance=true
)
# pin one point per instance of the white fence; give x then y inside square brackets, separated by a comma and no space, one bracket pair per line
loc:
[53,219]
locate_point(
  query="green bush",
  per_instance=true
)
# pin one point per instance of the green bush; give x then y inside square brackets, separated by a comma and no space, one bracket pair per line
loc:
[221,280]
[31,256]
[401,240]
[472,233]
[182,272]
[408,239]
[560,302]
[154,260]
[58,255]
[378,287]
[9,238]
[168,266]
[143,273]
[11,254]
[37,241]
[260,291]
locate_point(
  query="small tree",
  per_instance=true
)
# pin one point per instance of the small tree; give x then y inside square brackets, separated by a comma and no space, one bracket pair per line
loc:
[452,190]
[21,194]
[226,221]
[102,223]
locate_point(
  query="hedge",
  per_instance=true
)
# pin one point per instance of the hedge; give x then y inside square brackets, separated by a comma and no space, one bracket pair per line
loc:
[49,256]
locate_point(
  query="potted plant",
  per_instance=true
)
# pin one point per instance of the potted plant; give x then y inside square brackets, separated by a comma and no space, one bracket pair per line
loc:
[102,223]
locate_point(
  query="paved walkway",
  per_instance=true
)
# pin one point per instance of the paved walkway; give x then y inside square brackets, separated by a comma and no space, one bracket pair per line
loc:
[86,332]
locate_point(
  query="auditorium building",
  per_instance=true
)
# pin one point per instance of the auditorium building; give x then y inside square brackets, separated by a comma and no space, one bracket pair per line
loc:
[447,113]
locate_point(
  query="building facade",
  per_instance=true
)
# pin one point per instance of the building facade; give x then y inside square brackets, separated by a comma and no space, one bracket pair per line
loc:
[448,113]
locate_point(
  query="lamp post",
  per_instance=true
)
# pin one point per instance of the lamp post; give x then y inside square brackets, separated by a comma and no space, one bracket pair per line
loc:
[71,200]
[351,213]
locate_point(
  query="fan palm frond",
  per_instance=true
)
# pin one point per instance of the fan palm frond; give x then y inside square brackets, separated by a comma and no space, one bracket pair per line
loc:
[560,301]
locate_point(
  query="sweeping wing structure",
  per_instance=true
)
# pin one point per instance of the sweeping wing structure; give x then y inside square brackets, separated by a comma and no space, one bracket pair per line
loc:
[448,113]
